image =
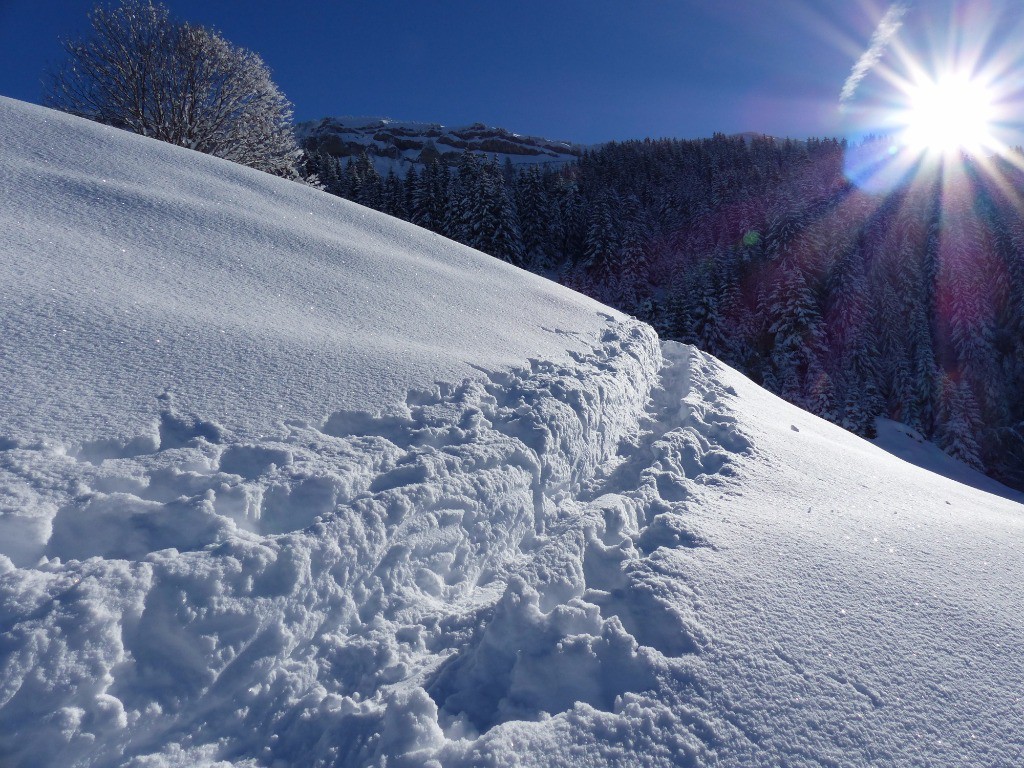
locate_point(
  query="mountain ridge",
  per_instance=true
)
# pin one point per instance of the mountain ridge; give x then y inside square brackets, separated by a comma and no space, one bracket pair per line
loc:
[399,145]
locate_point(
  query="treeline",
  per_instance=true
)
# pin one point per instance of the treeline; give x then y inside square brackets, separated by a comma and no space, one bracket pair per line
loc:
[852,305]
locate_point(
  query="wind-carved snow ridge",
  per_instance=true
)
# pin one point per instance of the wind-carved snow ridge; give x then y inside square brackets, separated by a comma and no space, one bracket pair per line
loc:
[379,589]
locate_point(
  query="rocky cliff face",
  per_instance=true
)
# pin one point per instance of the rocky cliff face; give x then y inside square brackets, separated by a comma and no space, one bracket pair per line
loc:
[398,145]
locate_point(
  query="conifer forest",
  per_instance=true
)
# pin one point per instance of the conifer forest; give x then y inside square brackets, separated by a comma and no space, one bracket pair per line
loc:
[905,302]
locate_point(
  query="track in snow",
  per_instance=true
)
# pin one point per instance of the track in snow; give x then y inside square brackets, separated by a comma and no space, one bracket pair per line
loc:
[402,586]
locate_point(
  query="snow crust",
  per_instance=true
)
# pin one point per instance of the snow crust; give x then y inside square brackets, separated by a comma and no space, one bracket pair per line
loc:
[377,499]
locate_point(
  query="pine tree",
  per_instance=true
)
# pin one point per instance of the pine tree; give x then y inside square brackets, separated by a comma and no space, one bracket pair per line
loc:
[465,211]
[862,402]
[633,255]
[331,174]
[430,194]
[535,216]
[919,410]
[498,232]
[602,239]
[393,197]
[410,188]
[573,215]
[363,184]
[959,423]
[795,325]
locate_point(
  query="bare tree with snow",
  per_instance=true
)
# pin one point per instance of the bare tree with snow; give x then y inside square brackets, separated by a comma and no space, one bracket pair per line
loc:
[142,71]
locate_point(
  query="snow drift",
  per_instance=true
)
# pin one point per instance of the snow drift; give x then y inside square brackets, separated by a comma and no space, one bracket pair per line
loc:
[284,481]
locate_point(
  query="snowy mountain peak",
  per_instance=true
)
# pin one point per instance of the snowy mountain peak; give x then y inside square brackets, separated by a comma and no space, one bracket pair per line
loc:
[398,145]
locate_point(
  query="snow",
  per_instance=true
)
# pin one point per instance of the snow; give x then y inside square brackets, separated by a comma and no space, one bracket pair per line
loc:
[393,145]
[288,297]
[376,499]
[907,443]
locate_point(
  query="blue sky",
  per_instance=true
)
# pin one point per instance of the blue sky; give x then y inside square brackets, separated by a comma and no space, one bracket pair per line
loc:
[584,71]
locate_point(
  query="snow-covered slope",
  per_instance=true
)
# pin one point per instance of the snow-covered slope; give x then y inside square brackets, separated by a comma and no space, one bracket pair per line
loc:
[911,446]
[395,145]
[284,482]
[251,300]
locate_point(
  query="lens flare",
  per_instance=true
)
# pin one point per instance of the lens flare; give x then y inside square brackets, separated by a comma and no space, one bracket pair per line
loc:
[948,116]
[943,89]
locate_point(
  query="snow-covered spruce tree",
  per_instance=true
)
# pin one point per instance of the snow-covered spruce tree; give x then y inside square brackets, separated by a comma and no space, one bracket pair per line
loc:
[364,183]
[632,272]
[464,207]
[535,220]
[393,201]
[142,71]
[431,204]
[862,402]
[411,187]
[601,246]
[501,235]
[572,215]
[920,412]
[481,212]
[959,423]
[794,322]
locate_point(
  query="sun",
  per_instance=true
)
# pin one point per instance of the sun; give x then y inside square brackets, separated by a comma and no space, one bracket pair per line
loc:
[936,98]
[949,115]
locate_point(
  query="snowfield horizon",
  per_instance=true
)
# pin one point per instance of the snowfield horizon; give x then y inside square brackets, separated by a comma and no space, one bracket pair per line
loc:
[286,481]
